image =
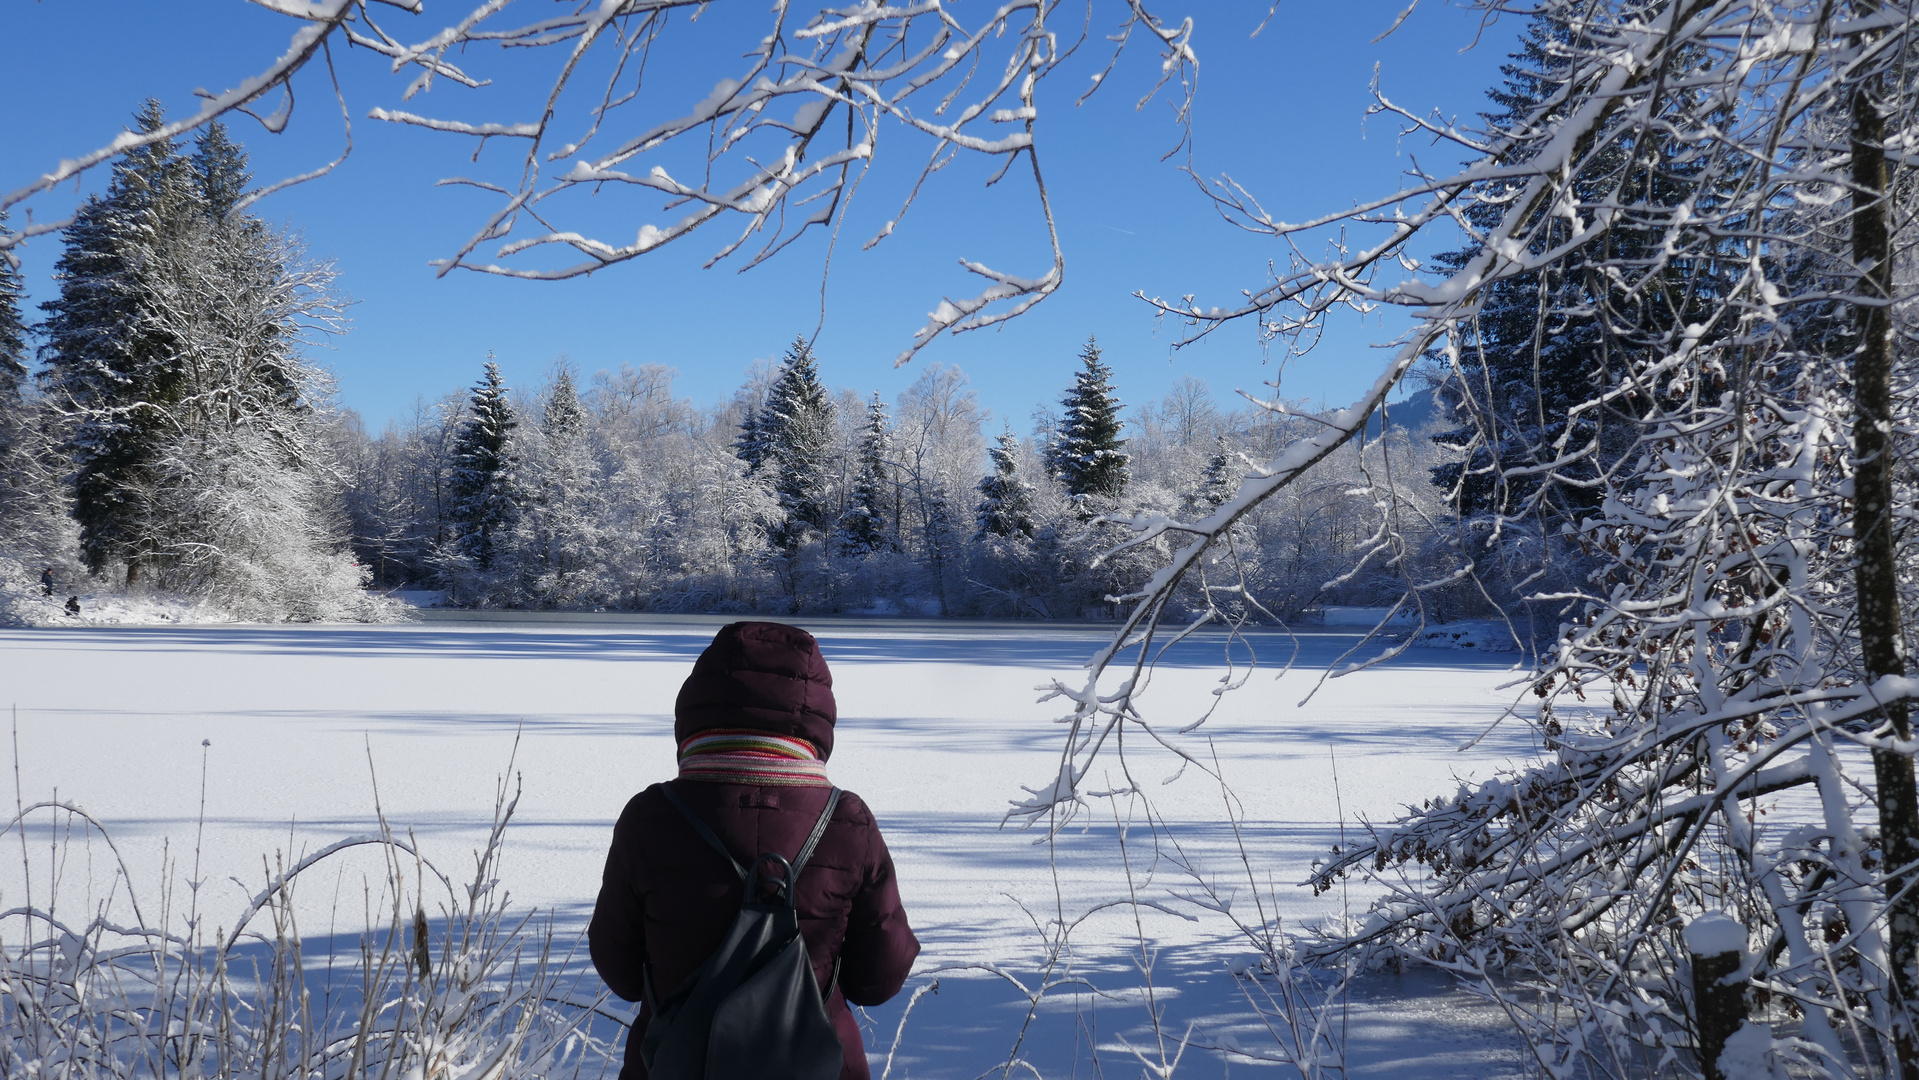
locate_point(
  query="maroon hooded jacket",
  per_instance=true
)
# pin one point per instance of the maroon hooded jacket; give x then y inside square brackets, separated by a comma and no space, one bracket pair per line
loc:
[667,898]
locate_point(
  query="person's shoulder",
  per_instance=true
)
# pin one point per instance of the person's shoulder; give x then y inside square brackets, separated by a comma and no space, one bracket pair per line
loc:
[648,802]
[853,810]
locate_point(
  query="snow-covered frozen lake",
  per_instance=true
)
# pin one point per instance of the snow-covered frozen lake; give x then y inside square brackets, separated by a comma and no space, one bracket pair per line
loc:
[939,726]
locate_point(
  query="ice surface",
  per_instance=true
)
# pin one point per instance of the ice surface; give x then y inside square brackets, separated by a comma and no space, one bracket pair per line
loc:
[938,729]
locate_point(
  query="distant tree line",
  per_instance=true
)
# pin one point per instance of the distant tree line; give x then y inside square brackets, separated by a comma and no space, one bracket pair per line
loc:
[174,438]
[792,497]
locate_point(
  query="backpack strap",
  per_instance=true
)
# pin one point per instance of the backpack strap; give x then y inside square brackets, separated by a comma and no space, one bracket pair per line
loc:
[707,834]
[819,830]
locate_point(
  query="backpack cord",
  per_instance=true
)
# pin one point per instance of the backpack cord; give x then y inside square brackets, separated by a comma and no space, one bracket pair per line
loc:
[706,832]
[700,826]
[819,830]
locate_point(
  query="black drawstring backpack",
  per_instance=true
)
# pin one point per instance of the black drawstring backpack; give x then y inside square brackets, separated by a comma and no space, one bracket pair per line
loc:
[753,1010]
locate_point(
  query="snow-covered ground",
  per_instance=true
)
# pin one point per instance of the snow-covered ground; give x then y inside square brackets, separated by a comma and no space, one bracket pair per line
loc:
[939,728]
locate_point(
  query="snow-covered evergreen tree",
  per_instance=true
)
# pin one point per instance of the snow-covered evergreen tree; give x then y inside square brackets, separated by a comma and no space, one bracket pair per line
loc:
[220,172]
[1217,482]
[111,367]
[754,444]
[559,526]
[863,528]
[484,497]
[13,370]
[563,420]
[1518,383]
[13,332]
[31,505]
[241,495]
[1006,499]
[1086,454]
[195,433]
[792,435]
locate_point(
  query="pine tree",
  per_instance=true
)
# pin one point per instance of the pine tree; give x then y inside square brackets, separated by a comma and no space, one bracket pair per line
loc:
[112,369]
[16,425]
[1086,454]
[13,333]
[1544,340]
[1217,482]
[1006,501]
[863,528]
[220,170]
[558,525]
[482,481]
[753,445]
[792,434]
[563,420]
[242,252]
[184,411]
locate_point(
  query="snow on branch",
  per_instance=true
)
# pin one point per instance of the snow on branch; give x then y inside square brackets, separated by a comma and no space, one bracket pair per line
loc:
[768,151]
[1655,340]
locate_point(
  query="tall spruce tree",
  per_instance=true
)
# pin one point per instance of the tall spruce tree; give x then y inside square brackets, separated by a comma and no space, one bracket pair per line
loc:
[253,366]
[183,410]
[220,171]
[863,528]
[13,346]
[1544,340]
[16,425]
[1087,455]
[1006,500]
[753,444]
[560,515]
[792,434]
[563,420]
[13,332]
[113,370]
[1217,482]
[1530,358]
[482,482]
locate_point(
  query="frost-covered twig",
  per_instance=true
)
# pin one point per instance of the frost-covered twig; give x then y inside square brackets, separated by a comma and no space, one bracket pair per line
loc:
[762,151]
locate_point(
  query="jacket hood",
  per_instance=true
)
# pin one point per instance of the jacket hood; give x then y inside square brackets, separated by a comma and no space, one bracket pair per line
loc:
[759,676]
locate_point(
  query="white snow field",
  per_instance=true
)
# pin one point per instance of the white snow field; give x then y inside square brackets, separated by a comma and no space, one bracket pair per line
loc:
[939,726]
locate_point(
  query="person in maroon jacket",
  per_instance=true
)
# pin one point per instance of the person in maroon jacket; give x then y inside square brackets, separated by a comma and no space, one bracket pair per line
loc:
[754,724]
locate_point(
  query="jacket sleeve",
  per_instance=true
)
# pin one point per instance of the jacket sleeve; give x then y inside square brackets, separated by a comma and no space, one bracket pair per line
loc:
[880,946]
[616,937]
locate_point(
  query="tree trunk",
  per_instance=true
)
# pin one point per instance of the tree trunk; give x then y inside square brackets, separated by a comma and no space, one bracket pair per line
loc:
[1881,647]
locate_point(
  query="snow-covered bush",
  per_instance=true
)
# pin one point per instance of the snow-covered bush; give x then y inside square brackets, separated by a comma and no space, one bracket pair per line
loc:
[107,982]
[254,538]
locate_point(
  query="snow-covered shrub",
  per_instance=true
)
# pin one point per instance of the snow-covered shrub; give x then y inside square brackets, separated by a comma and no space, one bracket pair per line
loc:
[105,982]
[256,537]
[21,602]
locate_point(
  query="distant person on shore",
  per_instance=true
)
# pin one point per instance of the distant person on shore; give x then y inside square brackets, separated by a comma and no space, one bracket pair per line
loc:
[46,582]
[73,606]
[754,726]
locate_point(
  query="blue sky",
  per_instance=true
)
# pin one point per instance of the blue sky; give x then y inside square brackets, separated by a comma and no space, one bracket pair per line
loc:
[1282,112]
